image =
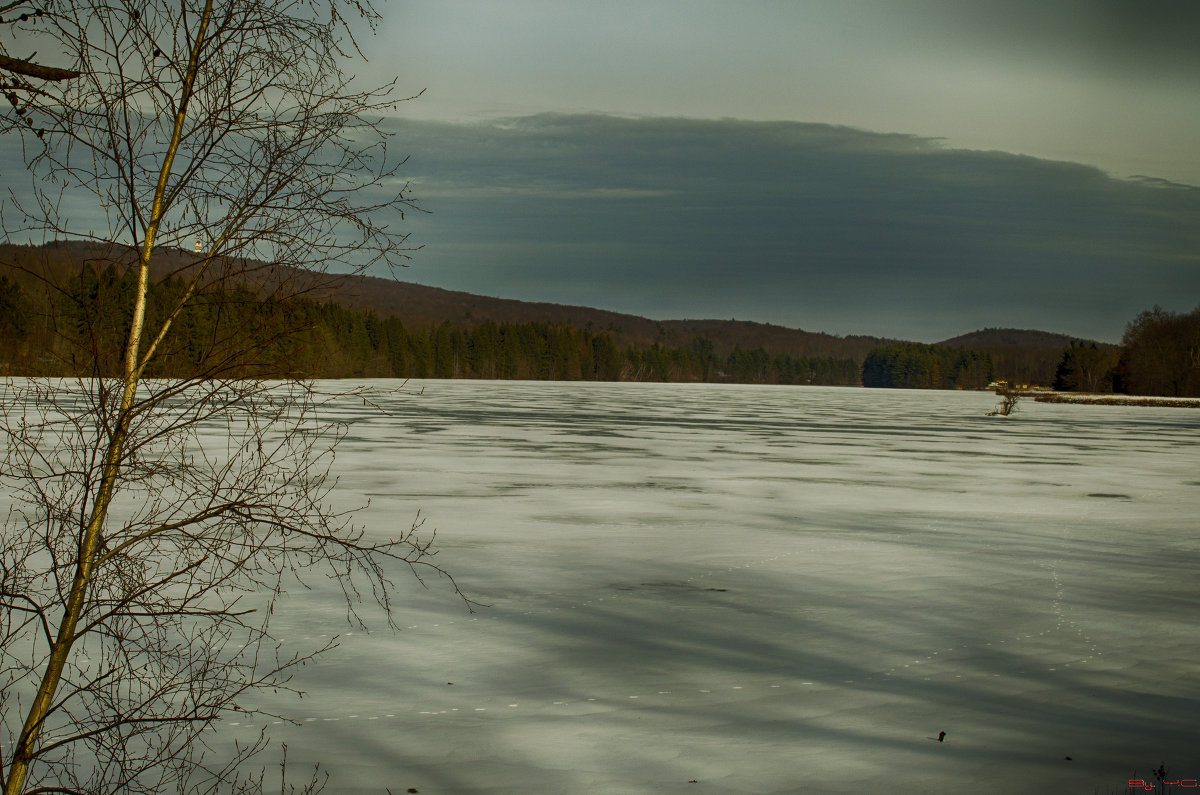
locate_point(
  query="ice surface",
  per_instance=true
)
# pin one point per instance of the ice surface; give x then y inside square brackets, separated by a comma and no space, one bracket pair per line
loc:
[764,589]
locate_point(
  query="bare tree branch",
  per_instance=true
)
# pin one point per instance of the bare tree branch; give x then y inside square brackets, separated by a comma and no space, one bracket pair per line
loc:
[34,70]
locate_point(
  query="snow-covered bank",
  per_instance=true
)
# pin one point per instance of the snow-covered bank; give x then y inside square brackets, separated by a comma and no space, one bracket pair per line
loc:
[1117,400]
[765,589]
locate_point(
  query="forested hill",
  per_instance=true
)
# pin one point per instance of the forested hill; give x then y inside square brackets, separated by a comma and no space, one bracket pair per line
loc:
[422,307]
[1022,356]
[1009,338]
[377,327]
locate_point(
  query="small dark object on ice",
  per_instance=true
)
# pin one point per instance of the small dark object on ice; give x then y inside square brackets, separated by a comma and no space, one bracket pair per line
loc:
[693,781]
[413,789]
[1067,758]
[941,737]
[1007,405]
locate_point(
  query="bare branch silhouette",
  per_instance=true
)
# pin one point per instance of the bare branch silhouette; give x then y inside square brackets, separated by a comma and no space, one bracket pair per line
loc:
[156,522]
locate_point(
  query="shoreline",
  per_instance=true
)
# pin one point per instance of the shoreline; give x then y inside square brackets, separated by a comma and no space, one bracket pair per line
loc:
[1113,400]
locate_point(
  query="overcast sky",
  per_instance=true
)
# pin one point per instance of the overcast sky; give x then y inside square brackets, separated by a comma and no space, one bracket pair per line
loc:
[1110,83]
[913,168]
[904,168]
[805,225]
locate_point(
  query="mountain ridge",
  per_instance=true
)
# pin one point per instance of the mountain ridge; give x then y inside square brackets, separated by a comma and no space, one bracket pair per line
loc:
[422,306]
[1032,352]
[1000,337]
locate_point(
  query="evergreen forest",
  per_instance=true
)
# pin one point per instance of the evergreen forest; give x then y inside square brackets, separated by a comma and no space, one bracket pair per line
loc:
[43,332]
[64,326]
[912,365]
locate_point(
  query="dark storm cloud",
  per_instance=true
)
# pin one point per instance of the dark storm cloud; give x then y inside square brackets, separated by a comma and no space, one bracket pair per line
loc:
[806,225]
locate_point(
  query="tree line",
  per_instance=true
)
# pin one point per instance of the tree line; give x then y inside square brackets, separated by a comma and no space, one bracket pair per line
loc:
[913,365]
[42,332]
[1159,355]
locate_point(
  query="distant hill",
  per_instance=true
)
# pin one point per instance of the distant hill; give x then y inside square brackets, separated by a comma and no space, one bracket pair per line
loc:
[421,307]
[1014,337]
[1022,355]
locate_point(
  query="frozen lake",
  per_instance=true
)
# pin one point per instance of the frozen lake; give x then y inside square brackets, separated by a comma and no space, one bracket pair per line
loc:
[765,590]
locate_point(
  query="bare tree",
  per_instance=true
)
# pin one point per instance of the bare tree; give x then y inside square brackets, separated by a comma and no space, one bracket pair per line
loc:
[1009,398]
[155,522]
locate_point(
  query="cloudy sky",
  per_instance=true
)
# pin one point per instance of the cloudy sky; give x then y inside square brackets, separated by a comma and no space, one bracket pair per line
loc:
[1110,83]
[906,168]
[912,168]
